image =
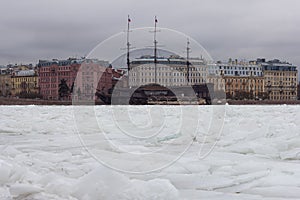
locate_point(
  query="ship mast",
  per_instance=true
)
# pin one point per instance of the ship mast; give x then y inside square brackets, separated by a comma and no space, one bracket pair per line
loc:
[128,47]
[188,49]
[155,50]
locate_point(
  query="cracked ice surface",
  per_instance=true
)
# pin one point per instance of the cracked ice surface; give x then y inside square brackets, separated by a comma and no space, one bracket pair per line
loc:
[42,157]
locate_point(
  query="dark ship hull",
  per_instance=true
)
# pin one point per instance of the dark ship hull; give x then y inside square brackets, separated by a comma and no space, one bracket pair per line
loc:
[154,94]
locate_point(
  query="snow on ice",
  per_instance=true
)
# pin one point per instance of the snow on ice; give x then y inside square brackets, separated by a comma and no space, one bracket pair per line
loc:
[42,156]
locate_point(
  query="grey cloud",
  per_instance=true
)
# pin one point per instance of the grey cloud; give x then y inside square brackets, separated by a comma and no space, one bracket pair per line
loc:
[34,29]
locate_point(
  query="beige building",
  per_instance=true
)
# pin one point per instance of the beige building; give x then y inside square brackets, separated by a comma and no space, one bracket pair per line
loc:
[242,80]
[281,80]
[260,79]
[242,87]
[215,77]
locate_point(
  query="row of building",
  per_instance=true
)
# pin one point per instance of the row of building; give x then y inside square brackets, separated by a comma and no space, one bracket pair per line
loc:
[55,79]
[59,79]
[259,79]
[18,80]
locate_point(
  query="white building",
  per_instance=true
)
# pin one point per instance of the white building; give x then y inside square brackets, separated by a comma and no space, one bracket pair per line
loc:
[172,71]
[235,68]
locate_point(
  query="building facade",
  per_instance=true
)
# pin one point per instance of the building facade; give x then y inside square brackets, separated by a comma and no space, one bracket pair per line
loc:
[244,87]
[240,68]
[240,79]
[94,77]
[215,77]
[24,84]
[52,73]
[82,78]
[5,85]
[298,91]
[281,80]
[171,71]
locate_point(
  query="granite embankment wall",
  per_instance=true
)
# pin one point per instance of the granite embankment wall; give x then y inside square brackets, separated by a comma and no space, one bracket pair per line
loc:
[264,102]
[16,101]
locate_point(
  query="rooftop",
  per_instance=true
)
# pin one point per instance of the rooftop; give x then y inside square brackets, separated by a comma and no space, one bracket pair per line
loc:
[173,59]
[25,73]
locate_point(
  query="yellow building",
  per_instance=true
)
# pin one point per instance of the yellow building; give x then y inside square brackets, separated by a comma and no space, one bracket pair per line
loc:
[5,84]
[25,84]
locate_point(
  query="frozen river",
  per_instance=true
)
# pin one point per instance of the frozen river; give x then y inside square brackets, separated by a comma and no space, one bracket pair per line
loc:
[148,152]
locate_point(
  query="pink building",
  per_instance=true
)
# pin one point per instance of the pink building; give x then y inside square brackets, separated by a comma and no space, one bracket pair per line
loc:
[95,76]
[52,72]
[83,77]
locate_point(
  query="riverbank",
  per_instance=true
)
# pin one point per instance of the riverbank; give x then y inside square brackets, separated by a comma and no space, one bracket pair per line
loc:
[262,102]
[19,101]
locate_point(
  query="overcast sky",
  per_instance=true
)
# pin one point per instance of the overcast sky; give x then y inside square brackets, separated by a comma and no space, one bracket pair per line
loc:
[243,29]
